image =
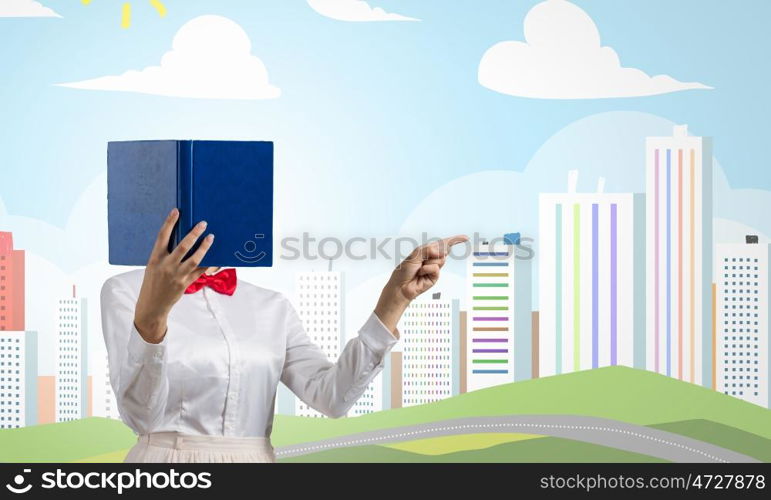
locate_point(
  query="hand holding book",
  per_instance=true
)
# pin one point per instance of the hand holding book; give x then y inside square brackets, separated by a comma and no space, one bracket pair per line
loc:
[167,276]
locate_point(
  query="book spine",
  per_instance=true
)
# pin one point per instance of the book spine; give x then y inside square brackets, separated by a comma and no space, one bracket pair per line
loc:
[184,188]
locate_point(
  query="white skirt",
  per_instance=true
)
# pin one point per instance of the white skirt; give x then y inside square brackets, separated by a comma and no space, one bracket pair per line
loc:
[175,447]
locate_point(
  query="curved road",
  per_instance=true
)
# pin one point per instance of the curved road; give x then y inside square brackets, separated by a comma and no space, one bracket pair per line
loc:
[601,431]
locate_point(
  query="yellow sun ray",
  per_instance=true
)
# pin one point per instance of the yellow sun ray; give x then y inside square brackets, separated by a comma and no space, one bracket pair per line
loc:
[125,19]
[159,7]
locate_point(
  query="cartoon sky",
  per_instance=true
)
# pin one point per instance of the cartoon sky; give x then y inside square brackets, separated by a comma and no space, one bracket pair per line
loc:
[379,110]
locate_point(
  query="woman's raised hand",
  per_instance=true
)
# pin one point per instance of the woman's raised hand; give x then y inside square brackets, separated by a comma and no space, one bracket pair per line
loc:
[416,274]
[167,277]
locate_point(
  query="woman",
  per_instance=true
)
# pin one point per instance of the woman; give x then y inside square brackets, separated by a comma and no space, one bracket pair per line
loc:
[195,357]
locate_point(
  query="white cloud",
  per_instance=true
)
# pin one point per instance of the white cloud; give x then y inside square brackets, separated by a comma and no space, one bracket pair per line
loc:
[355,11]
[210,59]
[562,58]
[25,8]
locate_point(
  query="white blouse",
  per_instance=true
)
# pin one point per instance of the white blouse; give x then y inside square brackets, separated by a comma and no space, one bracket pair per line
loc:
[217,369]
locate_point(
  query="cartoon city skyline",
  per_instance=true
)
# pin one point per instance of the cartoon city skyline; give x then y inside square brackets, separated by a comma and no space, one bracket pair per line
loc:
[496,340]
[645,256]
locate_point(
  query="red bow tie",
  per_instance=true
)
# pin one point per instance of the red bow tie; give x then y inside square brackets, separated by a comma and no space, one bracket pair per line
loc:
[222,282]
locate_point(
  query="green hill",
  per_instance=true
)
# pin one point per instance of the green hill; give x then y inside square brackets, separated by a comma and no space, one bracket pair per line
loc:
[618,393]
[722,435]
[64,442]
[546,450]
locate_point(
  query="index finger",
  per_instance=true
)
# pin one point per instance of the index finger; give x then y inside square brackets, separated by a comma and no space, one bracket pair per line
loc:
[436,249]
[161,246]
[454,240]
[443,246]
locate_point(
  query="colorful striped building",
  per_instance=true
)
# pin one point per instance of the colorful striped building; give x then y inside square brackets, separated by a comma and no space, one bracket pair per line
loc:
[498,320]
[591,275]
[679,256]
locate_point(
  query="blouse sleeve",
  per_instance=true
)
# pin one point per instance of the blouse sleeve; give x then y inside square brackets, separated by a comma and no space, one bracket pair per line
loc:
[333,388]
[137,368]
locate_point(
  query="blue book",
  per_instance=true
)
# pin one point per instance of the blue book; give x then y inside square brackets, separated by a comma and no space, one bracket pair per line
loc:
[229,184]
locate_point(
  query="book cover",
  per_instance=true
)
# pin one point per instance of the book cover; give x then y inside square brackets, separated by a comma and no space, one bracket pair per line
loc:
[227,183]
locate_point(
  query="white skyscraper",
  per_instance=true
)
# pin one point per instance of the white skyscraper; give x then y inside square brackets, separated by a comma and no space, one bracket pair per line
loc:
[103,397]
[498,347]
[741,331]
[72,359]
[592,283]
[320,306]
[429,347]
[679,256]
[18,379]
